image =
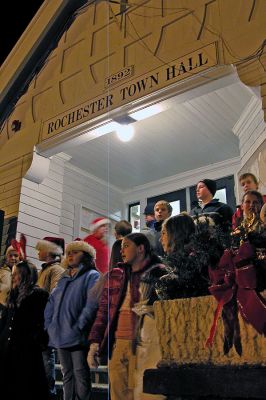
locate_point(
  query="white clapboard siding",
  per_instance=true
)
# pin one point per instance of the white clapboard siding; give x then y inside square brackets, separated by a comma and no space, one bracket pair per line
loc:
[48,209]
[57,167]
[67,222]
[80,188]
[33,232]
[27,200]
[68,207]
[38,222]
[67,214]
[66,230]
[41,214]
[40,207]
[56,177]
[42,197]
[51,184]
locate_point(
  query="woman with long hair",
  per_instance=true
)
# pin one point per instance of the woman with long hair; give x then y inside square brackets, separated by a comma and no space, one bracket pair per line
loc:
[23,338]
[176,233]
[187,257]
[68,316]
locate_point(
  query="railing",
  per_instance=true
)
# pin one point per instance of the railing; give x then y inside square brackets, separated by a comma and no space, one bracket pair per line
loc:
[99,382]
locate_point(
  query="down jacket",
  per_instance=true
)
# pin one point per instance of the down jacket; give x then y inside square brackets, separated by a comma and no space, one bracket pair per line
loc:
[71,309]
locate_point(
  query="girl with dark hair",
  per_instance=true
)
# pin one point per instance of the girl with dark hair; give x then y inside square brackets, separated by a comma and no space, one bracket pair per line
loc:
[22,337]
[68,316]
[176,233]
[124,325]
[187,247]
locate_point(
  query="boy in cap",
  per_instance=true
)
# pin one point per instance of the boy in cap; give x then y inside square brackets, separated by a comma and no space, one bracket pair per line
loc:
[149,216]
[97,239]
[50,250]
[205,191]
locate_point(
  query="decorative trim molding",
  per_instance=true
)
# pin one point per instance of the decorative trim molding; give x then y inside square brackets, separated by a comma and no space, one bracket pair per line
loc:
[39,168]
[184,180]
[62,156]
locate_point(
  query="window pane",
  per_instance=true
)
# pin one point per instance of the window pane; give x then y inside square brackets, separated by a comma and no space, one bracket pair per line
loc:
[134,217]
[176,207]
[221,195]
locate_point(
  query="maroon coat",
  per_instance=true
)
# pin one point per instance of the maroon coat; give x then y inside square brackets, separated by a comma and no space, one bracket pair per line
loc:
[114,291]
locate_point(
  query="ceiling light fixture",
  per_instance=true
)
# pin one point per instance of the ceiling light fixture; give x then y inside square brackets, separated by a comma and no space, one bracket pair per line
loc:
[103,129]
[147,112]
[125,132]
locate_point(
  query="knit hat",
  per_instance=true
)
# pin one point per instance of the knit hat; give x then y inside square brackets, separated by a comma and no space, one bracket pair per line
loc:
[210,184]
[52,245]
[97,222]
[149,209]
[80,245]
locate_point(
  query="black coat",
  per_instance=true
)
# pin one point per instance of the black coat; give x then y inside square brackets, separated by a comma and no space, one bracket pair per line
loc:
[224,212]
[22,340]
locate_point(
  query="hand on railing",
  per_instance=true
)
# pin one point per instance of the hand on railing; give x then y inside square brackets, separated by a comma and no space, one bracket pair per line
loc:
[93,356]
[142,308]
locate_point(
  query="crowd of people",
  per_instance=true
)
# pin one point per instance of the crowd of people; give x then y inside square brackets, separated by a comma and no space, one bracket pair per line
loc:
[87,304]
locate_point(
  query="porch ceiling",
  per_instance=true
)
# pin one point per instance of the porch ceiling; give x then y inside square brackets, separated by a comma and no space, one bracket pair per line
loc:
[186,136]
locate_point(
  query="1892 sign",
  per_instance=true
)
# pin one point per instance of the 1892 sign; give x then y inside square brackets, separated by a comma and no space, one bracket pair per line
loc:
[119,76]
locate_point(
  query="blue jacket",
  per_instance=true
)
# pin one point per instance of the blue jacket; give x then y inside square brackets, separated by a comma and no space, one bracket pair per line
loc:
[71,309]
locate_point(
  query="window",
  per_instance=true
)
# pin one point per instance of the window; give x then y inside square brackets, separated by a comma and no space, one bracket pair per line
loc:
[134,216]
[176,207]
[221,195]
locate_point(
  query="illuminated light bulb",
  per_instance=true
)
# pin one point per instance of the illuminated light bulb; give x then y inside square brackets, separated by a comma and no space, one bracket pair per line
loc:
[125,132]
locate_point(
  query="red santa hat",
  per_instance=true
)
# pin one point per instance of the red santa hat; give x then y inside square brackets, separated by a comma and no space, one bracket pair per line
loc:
[97,222]
[52,245]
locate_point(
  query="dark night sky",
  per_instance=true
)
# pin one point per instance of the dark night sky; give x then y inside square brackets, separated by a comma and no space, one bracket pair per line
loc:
[17,14]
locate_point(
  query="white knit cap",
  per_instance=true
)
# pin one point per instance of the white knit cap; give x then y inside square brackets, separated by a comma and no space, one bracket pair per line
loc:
[51,245]
[80,245]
